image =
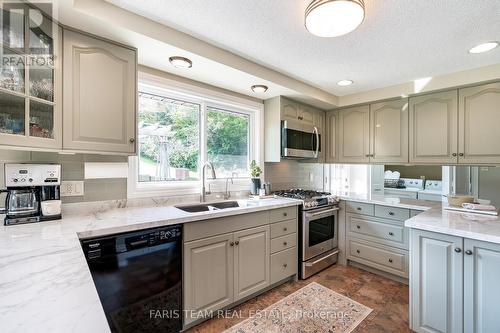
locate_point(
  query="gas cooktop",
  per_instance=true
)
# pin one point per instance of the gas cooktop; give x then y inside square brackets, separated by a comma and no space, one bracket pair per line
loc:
[311,199]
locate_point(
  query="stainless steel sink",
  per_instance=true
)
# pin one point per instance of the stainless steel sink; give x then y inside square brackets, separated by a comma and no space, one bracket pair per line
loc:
[213,206]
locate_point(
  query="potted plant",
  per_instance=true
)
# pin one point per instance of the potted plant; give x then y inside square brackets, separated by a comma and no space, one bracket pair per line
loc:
[255,172]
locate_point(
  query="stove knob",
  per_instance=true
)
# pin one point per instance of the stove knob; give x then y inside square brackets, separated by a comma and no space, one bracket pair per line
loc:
[15,180]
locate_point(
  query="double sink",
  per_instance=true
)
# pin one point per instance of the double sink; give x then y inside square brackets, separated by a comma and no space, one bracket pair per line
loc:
[213,206]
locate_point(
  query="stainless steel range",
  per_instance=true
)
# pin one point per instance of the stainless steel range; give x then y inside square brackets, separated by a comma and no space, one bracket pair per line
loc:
[318,232]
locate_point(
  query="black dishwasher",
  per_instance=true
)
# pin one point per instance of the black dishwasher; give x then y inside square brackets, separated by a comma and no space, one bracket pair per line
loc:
[138,276]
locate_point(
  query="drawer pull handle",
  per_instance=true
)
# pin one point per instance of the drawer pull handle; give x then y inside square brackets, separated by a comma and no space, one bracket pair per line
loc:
[458,250]
[285,243]
[358,227]
[358,208]
[454,154]
[231,244]
[468,252]
[391,233]
[390,260]
[285,214]
[461,154]
[285,265]
[391,213]
[358,251]
[285,229]
[237,243]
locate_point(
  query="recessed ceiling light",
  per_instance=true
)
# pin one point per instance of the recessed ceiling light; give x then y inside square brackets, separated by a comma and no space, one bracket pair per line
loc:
[484,47]
[259,88]
[180,62]
[332,18]
[344,83]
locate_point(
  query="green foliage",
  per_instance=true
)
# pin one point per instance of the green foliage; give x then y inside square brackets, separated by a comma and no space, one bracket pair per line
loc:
[255,170]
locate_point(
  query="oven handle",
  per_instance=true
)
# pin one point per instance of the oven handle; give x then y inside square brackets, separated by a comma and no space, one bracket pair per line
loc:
[309,264]
[316,152]
[326,212]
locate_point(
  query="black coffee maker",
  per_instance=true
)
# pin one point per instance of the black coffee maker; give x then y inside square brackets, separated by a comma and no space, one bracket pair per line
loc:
[33,193]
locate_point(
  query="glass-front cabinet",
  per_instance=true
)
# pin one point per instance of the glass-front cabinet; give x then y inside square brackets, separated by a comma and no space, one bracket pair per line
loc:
[30,78]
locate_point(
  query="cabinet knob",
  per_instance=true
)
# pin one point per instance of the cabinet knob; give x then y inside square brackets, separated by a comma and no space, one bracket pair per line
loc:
[458,250]
[461,154]
[390,260]
[285,214]
[231,244]
[391,213]
[358,227]
[285,265]
[131,140]
[285,229]
[358,208]
[237,243]
[285,243]
[468,252]
[358,251]
[391,233]
[454,154]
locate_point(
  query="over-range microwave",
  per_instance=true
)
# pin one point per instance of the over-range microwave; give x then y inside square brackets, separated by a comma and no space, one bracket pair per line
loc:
[298,141]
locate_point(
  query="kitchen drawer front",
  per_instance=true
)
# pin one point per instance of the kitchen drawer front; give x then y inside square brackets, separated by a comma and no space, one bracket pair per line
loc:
[392,213]
[283,264]
[283,228]
[377,230]
[414,212]
[283,242]
[283,214]
[384,258]
[359,208]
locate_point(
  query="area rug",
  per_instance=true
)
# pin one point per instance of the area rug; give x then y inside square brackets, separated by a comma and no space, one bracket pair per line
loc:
[313,308]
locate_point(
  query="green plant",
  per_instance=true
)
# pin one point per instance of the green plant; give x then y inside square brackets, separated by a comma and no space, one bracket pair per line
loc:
[255,170]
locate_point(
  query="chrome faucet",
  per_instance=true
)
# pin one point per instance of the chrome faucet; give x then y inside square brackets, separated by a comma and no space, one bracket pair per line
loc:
[203,190]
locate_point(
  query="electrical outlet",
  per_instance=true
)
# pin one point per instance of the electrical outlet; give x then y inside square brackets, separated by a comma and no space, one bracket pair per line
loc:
[72,188]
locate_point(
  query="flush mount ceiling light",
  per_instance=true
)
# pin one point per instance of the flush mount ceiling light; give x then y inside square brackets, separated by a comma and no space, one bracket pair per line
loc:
[332,18]
[344,83]
[484,47]
[259,88]
[180,62]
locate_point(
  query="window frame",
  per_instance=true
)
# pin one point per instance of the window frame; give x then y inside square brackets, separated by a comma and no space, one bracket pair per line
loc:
[205,97]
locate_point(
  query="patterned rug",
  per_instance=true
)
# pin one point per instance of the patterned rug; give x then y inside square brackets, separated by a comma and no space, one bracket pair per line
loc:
[313,308]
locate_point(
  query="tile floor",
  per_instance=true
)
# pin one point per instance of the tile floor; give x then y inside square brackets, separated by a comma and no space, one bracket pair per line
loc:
[387,298]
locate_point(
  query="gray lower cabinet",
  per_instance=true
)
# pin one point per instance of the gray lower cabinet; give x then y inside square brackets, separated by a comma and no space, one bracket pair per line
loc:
[454,284]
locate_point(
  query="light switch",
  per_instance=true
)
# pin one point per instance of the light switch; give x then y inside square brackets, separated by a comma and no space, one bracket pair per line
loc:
[72,188]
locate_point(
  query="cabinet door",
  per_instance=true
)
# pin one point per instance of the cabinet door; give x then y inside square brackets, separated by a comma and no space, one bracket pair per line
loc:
[354,134]
[306,117]
[331,137]
[481,287]
[289,110]
[251,261]
[478,131]
[100,89]
[436,282]
[433,128]
[208,274]
[389,132]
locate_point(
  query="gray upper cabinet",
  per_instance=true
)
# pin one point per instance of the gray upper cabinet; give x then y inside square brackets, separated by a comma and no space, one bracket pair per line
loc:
[100,95]
[433,128]
[389,132]
[436,282]
[354,135]
[481,287]
[479,116]
[251,261]
[208,274]
[331,130]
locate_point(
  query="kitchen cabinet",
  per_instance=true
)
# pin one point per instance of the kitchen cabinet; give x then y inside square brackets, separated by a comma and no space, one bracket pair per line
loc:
[208,273]
[297,113]
[354,135]
[389,132]
[331,130]
[251,261]
[31,82]
[100,95]
[454,284]
[478,131]
[433,128]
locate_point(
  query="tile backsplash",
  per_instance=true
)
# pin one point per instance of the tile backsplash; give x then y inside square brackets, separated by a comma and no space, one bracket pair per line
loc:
[73,169]
[292,174]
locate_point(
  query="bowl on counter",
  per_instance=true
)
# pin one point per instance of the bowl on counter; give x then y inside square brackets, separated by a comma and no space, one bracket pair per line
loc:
[458,200]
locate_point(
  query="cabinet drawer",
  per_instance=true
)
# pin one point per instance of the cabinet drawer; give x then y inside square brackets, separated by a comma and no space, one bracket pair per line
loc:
[283,214]
[392,213]
[283,264]
[283,242]
[359,208]
[283,228]
[377,230]
[385,258]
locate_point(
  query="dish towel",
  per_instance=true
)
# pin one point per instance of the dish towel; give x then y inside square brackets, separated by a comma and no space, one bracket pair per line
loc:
[474,206]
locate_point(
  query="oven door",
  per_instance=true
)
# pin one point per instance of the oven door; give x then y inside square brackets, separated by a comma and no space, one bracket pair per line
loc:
[297,143]
[319,230]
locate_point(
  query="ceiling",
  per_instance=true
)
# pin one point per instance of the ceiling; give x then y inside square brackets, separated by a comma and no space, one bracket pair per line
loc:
[399,40]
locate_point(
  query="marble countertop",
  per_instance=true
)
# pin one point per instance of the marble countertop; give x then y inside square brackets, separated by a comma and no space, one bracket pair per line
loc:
[45,283]
[387,200]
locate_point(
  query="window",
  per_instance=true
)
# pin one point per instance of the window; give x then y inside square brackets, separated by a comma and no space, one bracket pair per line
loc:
[179,130]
